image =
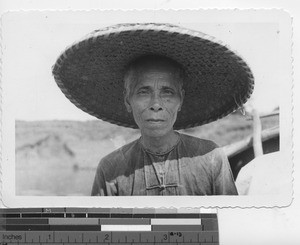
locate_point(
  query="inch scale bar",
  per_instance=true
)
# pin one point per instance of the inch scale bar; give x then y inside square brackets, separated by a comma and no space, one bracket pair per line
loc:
[114,237]
[106,226]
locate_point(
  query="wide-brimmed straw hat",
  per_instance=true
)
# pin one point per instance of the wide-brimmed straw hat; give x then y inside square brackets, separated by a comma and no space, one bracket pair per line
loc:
[90,72]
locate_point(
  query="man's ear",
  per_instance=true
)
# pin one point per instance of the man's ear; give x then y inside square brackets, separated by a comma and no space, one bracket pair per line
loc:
[127,103]
[182,97]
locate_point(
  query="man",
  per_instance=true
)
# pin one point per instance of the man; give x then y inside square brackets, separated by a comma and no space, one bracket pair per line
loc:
[172,80]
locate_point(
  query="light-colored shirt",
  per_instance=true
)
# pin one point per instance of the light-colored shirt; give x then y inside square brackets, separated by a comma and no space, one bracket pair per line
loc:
[192,167]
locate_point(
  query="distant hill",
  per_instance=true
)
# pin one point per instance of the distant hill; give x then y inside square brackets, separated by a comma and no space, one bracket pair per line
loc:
[60,157]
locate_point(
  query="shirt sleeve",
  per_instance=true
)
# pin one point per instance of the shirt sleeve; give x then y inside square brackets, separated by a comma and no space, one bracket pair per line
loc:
[223,182]
[102,187]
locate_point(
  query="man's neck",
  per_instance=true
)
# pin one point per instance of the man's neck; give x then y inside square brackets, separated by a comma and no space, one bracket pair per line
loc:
[160,144]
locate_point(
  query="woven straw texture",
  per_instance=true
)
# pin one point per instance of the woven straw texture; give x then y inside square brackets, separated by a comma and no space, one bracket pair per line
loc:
[90,72]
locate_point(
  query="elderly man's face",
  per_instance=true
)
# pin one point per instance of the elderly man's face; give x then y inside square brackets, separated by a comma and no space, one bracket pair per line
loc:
[155,102]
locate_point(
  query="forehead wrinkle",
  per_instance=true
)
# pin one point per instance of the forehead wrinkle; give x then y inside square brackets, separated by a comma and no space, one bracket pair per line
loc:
[157,76]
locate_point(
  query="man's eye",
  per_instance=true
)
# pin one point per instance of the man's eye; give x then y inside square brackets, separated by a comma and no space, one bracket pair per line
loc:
[143,91]
[168,91]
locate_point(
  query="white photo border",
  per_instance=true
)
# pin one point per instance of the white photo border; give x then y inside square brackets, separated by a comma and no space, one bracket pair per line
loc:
[281,17]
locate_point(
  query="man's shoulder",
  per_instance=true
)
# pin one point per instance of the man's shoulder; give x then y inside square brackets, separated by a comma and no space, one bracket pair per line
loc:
[197,145]
[120,154]
[118,162]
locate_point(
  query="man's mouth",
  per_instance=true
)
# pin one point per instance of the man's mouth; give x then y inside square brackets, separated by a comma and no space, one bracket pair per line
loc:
[155,120]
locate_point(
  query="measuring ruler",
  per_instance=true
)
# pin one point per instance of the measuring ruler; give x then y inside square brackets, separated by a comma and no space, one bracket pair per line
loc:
[106,226]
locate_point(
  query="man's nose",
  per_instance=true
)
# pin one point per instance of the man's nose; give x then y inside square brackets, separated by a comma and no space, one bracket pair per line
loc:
[156,103]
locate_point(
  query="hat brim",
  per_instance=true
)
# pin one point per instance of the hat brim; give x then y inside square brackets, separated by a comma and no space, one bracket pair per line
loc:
[90,72]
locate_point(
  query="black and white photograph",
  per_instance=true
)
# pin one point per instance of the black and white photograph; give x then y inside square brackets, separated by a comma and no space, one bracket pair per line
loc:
[147,108]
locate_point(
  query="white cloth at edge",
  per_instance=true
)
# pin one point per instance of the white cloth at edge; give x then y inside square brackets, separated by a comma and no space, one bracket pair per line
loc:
[266,174]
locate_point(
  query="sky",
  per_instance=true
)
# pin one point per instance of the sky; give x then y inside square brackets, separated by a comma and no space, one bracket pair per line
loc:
[32,41]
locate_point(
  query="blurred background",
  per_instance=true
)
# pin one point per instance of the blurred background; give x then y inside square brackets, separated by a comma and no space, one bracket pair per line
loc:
[60,157]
